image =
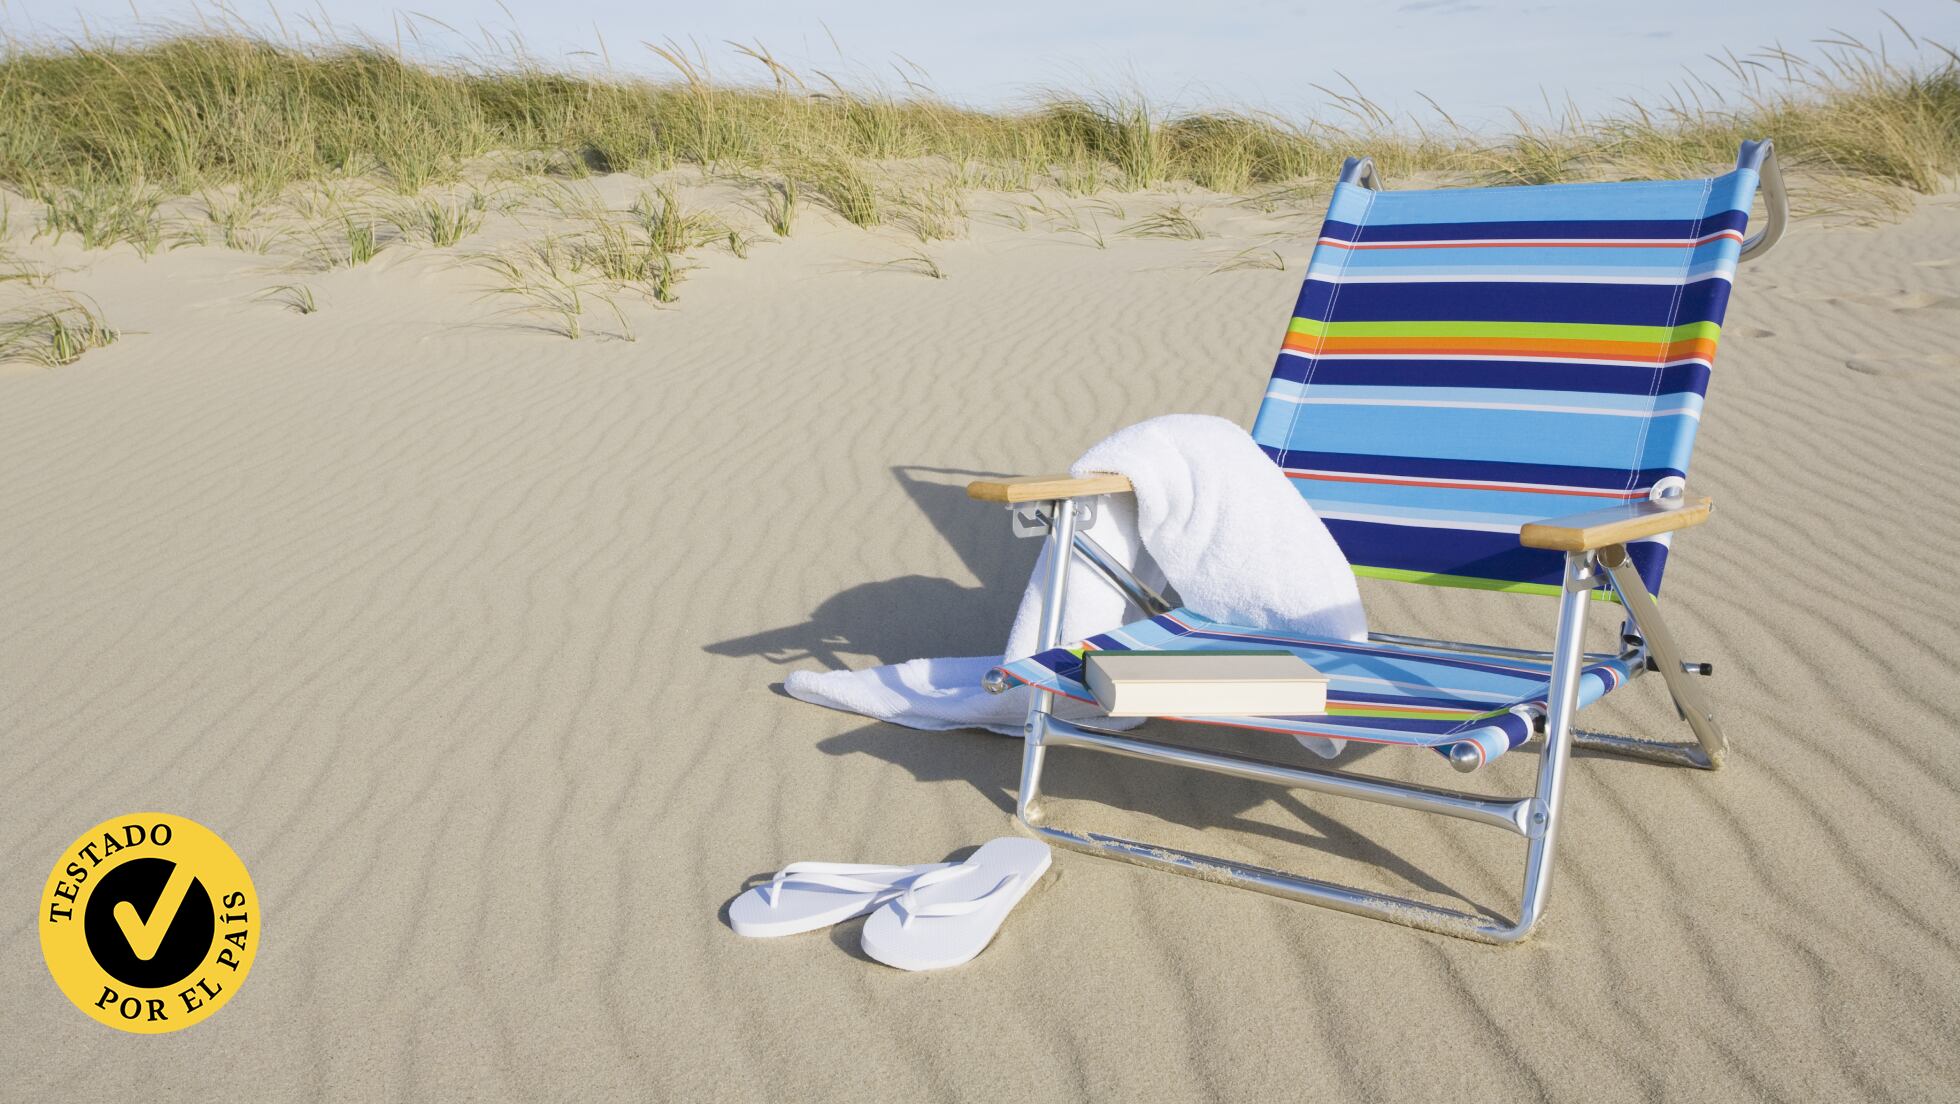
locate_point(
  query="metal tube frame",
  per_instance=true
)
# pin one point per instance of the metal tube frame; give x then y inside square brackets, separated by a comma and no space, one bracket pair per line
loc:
[1761,156]
[1113,569]
[1647,625]
[1534,817]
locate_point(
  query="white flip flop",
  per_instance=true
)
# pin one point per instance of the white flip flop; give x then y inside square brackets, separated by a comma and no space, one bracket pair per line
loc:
[948,916]
[806,896]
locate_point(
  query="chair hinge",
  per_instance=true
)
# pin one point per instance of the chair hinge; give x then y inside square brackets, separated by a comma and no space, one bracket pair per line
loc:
[1031,520]
[1581,571]
[1537,819]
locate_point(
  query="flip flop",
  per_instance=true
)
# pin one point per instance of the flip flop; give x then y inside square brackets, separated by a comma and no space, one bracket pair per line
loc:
[806,896]
[946,917]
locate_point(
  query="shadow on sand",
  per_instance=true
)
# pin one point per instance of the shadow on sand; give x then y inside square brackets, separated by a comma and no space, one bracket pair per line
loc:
[915,615]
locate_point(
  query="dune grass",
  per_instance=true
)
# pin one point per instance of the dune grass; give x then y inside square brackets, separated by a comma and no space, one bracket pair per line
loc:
[777,207]
[1172,222]
[103,210]
[363,240]
[52,329]
[642,248]
[438,222]
[98,132]
[550,287]
[296,298]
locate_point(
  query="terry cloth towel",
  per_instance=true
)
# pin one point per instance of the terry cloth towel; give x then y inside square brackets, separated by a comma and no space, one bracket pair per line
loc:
[1212,515]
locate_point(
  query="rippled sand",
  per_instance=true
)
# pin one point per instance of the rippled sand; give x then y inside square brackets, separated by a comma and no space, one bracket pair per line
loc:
[468,638]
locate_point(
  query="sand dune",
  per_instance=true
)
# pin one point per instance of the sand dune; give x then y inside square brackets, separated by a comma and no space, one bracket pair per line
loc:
[467,637]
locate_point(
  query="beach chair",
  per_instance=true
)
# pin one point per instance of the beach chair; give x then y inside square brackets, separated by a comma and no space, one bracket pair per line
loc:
[1494,388]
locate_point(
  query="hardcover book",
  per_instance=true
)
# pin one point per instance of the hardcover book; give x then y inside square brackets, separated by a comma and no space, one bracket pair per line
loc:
[1226,683]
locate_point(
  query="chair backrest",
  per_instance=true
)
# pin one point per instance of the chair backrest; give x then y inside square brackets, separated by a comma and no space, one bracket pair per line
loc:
[1464,361]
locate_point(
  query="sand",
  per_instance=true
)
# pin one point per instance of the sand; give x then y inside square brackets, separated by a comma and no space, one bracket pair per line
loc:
[469,638]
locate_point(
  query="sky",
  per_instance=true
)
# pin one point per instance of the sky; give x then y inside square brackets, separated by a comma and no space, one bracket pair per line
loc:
[1479,59]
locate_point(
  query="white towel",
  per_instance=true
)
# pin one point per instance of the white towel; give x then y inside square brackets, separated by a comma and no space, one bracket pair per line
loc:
[1212,515]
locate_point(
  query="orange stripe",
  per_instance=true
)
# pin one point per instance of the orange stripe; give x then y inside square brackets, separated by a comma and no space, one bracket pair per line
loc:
[1505,346]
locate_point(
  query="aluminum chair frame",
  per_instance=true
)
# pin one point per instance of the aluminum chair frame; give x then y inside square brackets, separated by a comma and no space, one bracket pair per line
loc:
[1649,646]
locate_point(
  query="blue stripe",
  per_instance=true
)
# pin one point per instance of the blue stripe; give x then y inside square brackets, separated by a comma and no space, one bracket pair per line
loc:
[1476,554]
[1673,264]
[1511,436]
[1486,471]
[1331,654]
[1443,229]
[1445,503]
[1525,375]
[1482,705]
[1331,268]
[1641,200]
[1323,391]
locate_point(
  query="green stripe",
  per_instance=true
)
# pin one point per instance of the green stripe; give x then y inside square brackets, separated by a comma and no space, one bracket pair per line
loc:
[1568,331]
[1458,716]
[1470,582]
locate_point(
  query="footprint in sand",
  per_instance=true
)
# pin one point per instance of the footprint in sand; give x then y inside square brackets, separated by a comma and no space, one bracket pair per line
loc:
[1925,366]
[1756,331]
[1898,299]
[1926,300]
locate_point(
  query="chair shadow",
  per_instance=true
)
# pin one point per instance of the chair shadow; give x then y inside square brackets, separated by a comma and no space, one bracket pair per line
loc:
[991,764]
[915,615]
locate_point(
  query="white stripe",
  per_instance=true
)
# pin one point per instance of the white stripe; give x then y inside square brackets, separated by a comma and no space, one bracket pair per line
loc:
[1485,356]
[1529,408]
[1420,523]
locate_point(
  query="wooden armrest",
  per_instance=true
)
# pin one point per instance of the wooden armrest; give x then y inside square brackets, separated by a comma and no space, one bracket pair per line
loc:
[1615,524]
[1042,488]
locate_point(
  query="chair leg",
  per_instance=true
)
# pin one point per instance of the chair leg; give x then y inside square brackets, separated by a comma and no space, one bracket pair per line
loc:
[1568,656]
[1026,806]
[1054,592]
[1688,699]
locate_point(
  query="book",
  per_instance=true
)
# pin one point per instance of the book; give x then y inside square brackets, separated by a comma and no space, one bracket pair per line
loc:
[1222,683]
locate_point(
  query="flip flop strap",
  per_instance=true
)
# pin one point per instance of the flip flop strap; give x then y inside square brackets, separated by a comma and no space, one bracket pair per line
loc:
[910,909]
[830,876]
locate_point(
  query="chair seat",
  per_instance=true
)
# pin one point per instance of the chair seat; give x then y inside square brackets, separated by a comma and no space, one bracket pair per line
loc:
[1377,693]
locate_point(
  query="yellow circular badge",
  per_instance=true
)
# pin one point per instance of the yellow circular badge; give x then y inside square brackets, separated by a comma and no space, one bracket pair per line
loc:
[149,922]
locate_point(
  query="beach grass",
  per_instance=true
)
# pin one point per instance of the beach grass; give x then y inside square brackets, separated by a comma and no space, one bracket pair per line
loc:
[777,207]
[99,132]
[297,298]
[52,329]
[438,222]
[1172,222]
[550,287]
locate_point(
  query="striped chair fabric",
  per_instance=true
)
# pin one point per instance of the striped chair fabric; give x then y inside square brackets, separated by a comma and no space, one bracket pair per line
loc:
[1376,693]
[1462,362]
